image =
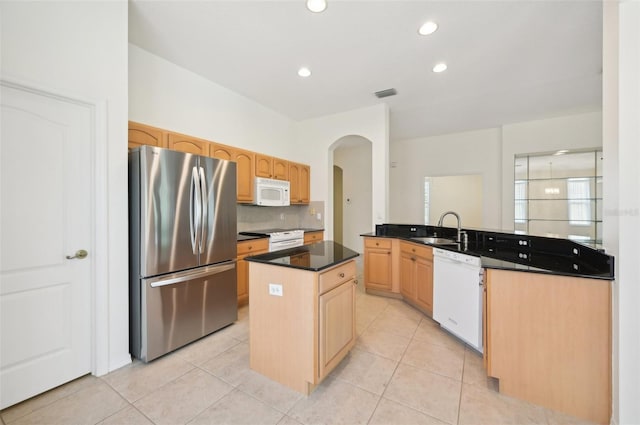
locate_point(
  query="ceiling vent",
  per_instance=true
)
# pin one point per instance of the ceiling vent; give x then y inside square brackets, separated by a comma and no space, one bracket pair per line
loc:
[385,93]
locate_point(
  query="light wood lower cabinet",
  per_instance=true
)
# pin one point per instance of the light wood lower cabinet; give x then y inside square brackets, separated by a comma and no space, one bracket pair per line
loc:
[244,249]
[378,264]
[416,275]
[299,337]
[548,341]
[311,237]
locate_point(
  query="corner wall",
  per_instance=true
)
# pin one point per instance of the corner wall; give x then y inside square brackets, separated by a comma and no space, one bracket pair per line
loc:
[79,50]
[316,140]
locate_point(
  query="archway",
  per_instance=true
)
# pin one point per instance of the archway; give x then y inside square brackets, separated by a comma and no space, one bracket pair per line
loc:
[353,155]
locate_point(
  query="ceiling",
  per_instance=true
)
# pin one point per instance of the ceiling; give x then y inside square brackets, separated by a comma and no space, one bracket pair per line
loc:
[508,61]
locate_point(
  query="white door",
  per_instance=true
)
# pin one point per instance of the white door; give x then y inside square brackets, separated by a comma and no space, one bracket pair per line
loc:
[46,198]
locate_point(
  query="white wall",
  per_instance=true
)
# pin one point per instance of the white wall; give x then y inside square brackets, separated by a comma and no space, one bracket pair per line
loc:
[567,132]
[165,95]
[473,152]
[355,162]
[462,194]
[79,49]
[316,140]
[622,203]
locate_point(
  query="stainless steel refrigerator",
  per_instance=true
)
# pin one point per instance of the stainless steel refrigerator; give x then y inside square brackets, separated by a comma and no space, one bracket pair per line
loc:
[182,232]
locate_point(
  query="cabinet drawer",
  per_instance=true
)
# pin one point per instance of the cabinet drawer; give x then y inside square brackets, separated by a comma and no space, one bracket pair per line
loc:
[377,243]
[416,249]
[253,246]
[334,277]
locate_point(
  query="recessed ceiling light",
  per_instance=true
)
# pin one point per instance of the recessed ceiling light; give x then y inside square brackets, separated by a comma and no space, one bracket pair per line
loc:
[428,28]
[440,67]
[304,72]
[316,6]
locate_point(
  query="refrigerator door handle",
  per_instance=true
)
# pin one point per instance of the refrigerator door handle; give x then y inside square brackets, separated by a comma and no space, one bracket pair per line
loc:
[191,274]
[204,201]
[194,209]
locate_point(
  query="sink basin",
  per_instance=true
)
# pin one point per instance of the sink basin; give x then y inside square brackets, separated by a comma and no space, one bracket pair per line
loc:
[436,241]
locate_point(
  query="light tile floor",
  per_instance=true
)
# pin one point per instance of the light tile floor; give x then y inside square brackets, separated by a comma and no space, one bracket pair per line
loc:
[403,370]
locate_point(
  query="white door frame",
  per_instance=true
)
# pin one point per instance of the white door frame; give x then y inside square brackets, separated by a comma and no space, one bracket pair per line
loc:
[99,279]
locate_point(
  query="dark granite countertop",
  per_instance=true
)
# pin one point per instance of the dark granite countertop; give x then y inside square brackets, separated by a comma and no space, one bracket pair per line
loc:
[314,257]
[250,237]
[507,251]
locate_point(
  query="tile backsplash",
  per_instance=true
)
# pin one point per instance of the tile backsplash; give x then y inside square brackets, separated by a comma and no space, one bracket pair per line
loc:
[252,217]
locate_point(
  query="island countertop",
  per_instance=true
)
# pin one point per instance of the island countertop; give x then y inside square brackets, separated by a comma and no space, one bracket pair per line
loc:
[313,257]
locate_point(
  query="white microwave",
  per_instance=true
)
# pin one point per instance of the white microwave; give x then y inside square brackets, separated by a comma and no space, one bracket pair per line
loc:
[271,192]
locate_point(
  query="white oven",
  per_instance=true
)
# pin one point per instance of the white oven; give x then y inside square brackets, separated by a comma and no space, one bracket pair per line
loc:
[285,239]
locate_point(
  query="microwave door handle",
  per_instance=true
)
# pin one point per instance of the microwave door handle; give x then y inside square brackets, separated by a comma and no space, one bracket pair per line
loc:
[204,216]
[192,211]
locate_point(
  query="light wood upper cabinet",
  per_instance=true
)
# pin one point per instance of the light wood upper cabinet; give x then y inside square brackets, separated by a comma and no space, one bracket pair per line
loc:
[141,134]
[305,184]
[271,168]
[244,168]
[280,169]
[182,143]
[249,164]
[264,166]
[299,183]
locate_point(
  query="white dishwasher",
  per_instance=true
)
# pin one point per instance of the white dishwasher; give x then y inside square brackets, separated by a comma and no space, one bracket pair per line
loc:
[457,295]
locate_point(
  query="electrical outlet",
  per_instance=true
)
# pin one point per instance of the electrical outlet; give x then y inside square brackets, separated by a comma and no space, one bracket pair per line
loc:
[319,216]
[275,289]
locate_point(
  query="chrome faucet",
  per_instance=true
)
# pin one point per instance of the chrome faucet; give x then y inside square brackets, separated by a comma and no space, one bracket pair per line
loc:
[457,217]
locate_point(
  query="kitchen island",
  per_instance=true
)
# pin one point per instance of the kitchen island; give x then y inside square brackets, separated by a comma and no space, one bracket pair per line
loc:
[302,310]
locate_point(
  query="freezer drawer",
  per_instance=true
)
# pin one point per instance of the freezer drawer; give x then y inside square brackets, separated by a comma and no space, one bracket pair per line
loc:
[174,310]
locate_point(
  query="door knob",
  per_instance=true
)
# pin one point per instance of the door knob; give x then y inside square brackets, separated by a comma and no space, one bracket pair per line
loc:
[80,254]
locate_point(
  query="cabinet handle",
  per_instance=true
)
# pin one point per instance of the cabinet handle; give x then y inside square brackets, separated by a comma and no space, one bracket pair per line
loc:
[377,244]
[389,252]
[341,274]
[413,258]
[413,250]
[355,282]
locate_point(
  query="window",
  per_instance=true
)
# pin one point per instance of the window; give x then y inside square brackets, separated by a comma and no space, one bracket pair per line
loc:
[521,201]
[559,195]
[579,201]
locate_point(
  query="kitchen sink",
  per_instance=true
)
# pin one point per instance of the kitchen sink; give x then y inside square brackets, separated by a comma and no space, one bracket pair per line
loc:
[435,241]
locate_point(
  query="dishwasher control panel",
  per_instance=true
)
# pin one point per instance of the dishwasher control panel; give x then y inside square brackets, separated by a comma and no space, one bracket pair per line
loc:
[457,257]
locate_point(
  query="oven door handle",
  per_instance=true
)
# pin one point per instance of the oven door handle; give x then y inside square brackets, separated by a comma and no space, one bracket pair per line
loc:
[287,244]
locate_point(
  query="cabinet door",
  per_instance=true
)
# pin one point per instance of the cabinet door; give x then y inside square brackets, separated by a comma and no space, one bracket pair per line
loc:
[312,237]
[294,182]
[140,135]
[304,184]
[408,275]
[242,277]
[377,268]
[264,166]
[280,169]
[244,161]
[222,152]
[424,284]
[188,144]
[337,322]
